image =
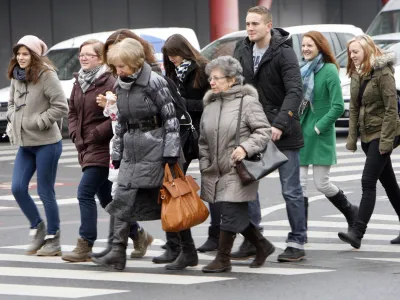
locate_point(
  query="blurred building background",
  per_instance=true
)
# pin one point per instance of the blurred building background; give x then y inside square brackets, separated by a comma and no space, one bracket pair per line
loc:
[57,20]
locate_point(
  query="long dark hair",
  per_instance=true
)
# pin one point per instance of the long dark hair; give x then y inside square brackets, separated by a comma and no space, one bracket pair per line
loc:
[122,34]
[178,45]
[38,65]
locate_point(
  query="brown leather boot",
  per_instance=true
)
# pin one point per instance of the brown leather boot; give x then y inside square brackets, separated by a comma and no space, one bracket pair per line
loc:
[81,252]
[222,262]
[263,247]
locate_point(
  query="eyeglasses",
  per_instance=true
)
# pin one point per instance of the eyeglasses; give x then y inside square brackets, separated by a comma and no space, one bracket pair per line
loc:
[215,78]
[86,55]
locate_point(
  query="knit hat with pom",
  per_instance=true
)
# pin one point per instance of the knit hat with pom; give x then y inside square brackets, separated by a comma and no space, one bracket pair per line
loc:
[33,43]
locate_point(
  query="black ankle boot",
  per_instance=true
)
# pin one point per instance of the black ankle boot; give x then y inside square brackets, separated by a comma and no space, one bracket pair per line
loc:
[396,240]
[355,234]
[172,251]
[188,255]
[117,256]
[345,207]
[211,243]
[263,247]
[246,250]
[109,240]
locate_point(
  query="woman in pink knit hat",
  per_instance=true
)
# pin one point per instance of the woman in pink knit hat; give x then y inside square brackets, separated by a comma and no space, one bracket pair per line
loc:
[36,103]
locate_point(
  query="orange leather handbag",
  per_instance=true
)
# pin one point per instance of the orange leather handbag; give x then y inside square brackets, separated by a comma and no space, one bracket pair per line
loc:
[181,206]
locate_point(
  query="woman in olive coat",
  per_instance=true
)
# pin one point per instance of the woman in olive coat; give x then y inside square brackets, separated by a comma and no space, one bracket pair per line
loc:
[373,114]
[322,105]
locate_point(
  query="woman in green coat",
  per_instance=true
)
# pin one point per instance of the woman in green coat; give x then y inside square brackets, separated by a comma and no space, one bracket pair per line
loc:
[322,105]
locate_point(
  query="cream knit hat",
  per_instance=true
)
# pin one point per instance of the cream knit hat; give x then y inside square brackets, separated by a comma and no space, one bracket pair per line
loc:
[33,43]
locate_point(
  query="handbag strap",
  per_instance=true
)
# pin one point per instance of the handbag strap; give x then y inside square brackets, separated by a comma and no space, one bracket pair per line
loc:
[237,137]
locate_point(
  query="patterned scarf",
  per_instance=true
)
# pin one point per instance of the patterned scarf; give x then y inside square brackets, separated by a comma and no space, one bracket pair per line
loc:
[182,69]
[19,74]
[126,82]
[85,78]
[308,70]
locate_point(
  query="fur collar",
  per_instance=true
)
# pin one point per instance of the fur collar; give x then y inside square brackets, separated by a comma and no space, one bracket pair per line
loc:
[244,90]
[387,59]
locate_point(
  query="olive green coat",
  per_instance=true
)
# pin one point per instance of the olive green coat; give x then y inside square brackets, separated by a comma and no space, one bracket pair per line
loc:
[377,116]
[328,106]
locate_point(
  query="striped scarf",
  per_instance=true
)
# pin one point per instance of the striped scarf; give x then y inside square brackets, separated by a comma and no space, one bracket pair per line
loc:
[85,78]
[308,70]
[182,69]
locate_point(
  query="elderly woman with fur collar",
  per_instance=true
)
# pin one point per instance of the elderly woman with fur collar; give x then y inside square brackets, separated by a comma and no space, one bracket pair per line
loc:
[218,155]
[373,114]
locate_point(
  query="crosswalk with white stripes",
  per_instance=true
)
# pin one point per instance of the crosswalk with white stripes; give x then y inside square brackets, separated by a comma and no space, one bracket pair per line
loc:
[322,236]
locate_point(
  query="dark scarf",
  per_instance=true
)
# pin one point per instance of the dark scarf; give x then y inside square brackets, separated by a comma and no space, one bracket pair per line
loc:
[19,74]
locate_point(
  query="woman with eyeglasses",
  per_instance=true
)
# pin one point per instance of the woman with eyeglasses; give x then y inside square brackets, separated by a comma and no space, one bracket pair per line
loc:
[220,182]
[186,67]
[37,102]
[373,116]
[91,132]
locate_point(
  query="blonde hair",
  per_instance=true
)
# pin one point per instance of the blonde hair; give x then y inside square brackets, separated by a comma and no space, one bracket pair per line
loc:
[370,52]
[129,52]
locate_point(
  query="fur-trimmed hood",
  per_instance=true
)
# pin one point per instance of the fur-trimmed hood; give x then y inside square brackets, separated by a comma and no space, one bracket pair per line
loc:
[387,59]
[244,90]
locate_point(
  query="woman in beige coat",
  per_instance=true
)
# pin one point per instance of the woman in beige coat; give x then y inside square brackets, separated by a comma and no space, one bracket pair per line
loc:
[218,155]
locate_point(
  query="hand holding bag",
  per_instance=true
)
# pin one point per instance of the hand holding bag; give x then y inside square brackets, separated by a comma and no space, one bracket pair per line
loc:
[181,206]
[260,165]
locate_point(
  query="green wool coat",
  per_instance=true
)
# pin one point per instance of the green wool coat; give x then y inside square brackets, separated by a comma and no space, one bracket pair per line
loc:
[328,106]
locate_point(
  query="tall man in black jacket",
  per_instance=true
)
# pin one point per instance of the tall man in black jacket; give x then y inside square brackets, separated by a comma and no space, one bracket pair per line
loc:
[270,64]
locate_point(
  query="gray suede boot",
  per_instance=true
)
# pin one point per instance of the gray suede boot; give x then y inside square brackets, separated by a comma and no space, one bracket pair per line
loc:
[38,241]
[52,246]
[109,240]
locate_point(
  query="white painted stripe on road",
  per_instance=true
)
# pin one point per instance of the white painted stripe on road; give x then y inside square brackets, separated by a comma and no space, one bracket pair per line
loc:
[156,242]
[73,166]
[320,224]
[63,201]
[396,260]
[345,247]
[55,292]
[3,208]
[375,217]
[327,235]
[11,197]
[108,276]
[150,265]
[12,157]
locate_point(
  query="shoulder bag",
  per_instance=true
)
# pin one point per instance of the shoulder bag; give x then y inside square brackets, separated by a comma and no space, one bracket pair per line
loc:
[251,169]
[181,206]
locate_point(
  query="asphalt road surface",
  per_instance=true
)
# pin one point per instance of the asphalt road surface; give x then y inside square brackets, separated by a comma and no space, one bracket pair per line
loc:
[332,270]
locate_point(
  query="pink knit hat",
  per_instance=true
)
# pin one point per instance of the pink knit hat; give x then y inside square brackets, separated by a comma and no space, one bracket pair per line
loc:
[33,43]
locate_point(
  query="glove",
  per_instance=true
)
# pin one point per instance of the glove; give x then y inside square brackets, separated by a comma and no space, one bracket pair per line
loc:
[116,164]
[170,161]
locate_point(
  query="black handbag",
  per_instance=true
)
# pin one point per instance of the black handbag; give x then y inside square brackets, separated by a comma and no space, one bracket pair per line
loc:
[260,165]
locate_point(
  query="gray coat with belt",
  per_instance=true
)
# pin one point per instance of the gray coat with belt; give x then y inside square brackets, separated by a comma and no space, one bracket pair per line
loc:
[219,179]
[142,152]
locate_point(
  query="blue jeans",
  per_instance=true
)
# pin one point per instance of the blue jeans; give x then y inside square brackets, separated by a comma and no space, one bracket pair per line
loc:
[43,160]
[289,175]
[94,182]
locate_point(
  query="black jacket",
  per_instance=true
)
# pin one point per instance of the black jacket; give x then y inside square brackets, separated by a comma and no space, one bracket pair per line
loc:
[279,85]
[194,96]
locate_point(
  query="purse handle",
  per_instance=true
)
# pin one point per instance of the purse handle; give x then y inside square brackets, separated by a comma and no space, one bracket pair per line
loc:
[177,170]
[237,137]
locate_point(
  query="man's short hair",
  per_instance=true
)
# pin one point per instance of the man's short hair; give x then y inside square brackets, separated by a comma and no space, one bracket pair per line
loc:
[263,11]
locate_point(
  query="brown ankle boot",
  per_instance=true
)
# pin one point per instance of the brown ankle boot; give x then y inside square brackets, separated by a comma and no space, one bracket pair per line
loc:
[222,262]
[81,252]
[263,247]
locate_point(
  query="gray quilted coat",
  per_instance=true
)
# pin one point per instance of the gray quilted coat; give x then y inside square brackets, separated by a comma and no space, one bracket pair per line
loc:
[141,153]
[219,179]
